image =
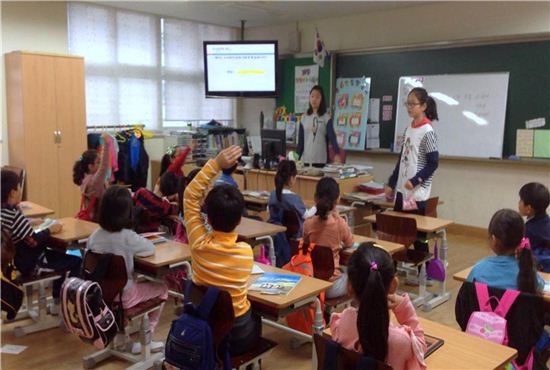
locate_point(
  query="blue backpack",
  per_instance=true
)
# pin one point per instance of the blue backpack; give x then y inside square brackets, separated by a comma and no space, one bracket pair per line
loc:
[190,345]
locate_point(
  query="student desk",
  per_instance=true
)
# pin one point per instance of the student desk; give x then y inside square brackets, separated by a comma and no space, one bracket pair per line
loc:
[31,209]
[276,307]
[168,255]
[435,227]
[461,350]
[75,229]
[253,229]
[463,275]
[390,247]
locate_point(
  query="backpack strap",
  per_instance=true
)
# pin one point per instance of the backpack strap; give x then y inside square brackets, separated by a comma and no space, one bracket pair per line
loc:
[310,248]
[331,355]
[208,302]
[482,292]
[506,302]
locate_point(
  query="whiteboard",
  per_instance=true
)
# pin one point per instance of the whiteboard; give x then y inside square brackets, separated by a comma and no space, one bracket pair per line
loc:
[471,110]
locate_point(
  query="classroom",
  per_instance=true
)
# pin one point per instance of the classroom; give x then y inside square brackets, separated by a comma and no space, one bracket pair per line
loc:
[128,79]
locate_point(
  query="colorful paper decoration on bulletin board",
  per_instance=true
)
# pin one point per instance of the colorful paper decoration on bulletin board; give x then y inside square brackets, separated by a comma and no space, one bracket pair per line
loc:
[351,113]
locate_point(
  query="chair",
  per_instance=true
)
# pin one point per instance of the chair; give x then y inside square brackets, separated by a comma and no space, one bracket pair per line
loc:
[112,284]
[221,321]
[431,207]
[323,268]
[525,319]
[345,359]
[291,222]
[403,230]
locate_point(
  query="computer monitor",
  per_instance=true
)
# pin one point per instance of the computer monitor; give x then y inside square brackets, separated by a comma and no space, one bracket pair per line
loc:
[273,146]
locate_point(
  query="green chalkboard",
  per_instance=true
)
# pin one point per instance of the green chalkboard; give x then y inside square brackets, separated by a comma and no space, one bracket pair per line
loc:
[286,80]
[527,62]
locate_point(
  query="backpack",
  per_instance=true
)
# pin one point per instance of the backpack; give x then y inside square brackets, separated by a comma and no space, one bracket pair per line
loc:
[86,213]
[11,297]
[301,263]
[486,323]
[190,344]
[85,313]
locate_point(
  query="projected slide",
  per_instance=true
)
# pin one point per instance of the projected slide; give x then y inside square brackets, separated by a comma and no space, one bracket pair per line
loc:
[241,67]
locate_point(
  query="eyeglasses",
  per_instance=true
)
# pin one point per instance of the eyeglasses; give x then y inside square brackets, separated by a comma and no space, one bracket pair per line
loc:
[410,105]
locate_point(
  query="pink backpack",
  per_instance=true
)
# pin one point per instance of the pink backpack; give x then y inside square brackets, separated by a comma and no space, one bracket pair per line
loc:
[486,323]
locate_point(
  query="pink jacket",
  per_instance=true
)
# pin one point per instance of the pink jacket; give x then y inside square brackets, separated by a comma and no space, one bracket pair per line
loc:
[406,343]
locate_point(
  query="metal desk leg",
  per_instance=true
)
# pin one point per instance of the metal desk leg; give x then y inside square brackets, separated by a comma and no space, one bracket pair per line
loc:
[269,240]
[318,328]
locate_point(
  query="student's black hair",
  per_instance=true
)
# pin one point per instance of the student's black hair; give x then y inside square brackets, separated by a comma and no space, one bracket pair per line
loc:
[423,98]
[10,181]
[168,184]
[115,209]
[182,184]
[191,175]
[326,195]
[322,106]
[285,170]
[370,272]
[536,195]
[224,207]
[165,163]
[80,167]
[508,228]
[230,170]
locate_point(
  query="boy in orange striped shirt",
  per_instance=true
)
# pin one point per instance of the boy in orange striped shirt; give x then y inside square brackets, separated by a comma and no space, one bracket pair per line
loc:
[217,259]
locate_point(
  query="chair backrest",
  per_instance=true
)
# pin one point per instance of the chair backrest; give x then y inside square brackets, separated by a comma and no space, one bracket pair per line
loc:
[321,258]
[396,229]
[115,278]
[346,359]
[525,319]
[221,317]
[431,207]
[291,222]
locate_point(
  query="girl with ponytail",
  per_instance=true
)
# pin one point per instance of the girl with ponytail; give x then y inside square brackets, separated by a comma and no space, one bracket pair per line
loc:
[328,229]
[283,199]
[367,329]
[419,158]
[513,267]
[89,172]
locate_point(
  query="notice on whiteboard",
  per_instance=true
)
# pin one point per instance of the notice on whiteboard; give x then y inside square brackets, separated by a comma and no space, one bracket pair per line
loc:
[534,123]
[305,77]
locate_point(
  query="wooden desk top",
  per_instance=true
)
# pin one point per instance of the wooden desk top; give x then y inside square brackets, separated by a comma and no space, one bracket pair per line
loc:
[166,254]
[306,288]
[390,247]
[463,275]
[75,229]
[462,350]
[250,229]
[31,209]
[423,223]
[263,201]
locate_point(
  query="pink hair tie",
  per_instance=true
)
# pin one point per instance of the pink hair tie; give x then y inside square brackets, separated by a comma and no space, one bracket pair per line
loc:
[373,266]
[524,244]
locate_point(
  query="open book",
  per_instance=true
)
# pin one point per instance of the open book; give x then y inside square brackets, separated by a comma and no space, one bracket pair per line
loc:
[154,237]
[270,283]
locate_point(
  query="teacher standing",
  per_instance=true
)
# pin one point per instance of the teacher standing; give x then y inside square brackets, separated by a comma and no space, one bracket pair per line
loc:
[316,131]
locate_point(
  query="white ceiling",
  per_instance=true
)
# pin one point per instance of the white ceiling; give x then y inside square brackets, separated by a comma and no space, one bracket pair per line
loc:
[256,13]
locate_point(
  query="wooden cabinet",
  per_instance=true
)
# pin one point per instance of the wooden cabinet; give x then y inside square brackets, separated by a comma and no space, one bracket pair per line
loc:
[47,125]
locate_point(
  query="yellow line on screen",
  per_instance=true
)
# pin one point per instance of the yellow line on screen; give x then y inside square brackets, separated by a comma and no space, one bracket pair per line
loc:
[251,72]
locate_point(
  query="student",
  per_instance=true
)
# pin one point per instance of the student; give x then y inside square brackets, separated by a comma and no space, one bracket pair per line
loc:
[226,178]
[316,131]
[217,258]
[533,202]
[31,248]
[419,158]
[157,205]
[173,159]
[283,199]
[89,172]
[328,229]
[513,266]
[368,329]
[114,236]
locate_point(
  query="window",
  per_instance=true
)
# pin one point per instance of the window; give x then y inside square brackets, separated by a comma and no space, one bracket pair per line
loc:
[143,68]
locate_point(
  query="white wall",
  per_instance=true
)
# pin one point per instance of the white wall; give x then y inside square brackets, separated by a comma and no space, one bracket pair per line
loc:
[30,26]
[472,191]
